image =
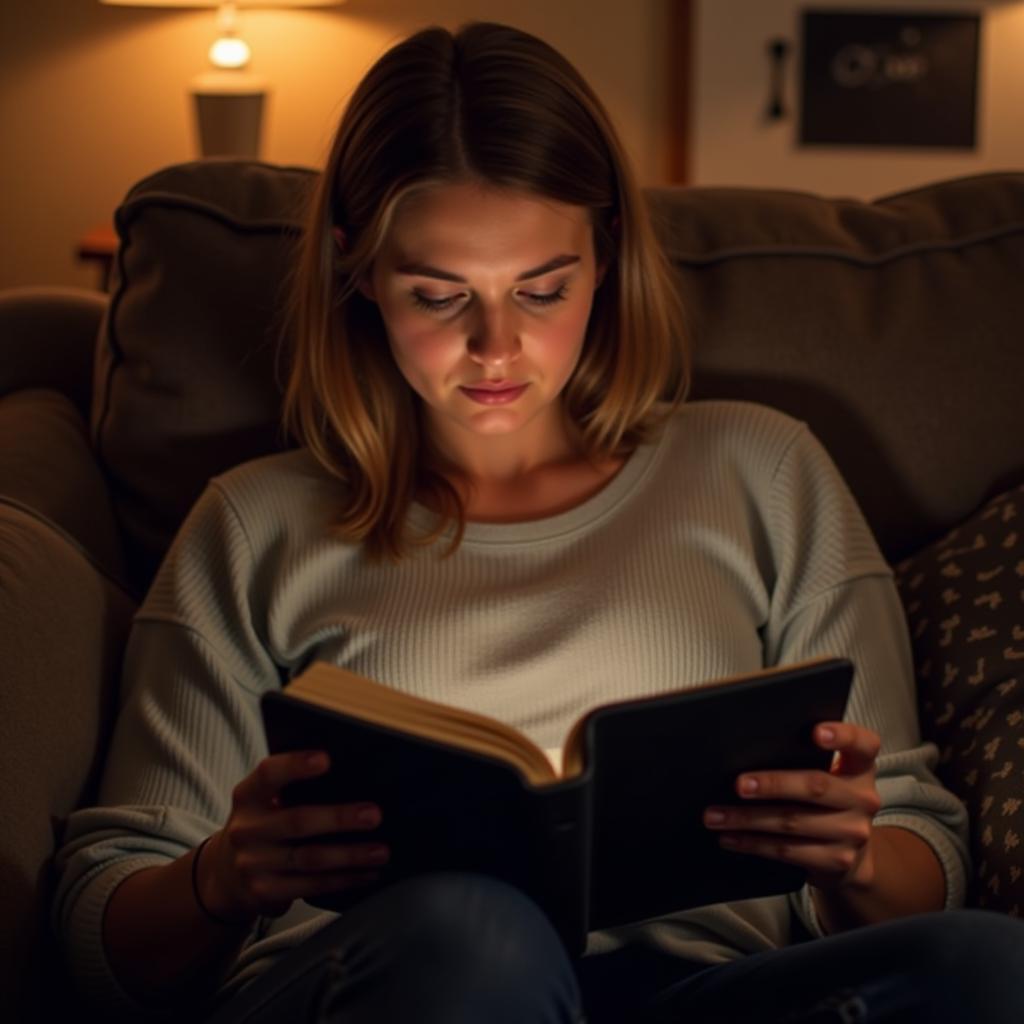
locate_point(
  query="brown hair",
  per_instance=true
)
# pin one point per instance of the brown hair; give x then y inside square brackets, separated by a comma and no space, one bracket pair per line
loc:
[491,104]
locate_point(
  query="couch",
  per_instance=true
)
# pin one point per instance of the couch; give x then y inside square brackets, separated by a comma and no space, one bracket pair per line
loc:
[895,328]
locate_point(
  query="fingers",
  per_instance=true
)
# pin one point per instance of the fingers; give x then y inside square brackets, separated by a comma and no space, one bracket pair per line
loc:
[818,820]
[273,875]
[268,890]
[790,822]
[304,822]
[825,863]
[849,784]
[312,858]
[858,748]
[832,847]
[262,818]
[267,856]
[273,773]
[819,789]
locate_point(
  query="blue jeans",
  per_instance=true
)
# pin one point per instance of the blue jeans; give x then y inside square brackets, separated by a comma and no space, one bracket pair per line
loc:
[464,949]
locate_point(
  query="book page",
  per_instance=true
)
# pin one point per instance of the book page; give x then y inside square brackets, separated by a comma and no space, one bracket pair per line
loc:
[554,755]
[341,690]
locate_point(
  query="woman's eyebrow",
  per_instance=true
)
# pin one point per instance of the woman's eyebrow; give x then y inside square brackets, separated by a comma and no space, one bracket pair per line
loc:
[423,270]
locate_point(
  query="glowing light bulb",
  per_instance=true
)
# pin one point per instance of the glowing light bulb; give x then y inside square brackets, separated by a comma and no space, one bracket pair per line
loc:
[230,52]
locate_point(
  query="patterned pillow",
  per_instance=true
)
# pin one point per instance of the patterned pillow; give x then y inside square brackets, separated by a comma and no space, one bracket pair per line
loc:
[964,601]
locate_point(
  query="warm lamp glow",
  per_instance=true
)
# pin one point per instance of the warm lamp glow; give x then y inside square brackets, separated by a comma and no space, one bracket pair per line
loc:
[214,3]
[229,101]
[230,52]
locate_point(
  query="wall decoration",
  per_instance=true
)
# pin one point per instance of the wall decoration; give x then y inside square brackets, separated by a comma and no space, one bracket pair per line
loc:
[778,52]
[892,79]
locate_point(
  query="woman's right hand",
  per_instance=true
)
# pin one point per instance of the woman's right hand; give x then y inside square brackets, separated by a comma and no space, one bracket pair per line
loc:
[258,863]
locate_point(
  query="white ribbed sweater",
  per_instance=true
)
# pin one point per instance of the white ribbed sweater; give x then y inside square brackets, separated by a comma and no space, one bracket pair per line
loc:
[729,544]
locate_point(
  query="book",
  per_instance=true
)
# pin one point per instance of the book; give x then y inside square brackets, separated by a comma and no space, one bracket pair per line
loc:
[612,835]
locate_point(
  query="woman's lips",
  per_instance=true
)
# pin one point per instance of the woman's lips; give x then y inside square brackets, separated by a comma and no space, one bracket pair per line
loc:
[494,396]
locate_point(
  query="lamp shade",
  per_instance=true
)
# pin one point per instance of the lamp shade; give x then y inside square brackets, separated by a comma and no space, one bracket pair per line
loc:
[229,101]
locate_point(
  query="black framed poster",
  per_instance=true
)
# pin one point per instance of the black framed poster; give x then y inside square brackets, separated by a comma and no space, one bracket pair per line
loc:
[889,79]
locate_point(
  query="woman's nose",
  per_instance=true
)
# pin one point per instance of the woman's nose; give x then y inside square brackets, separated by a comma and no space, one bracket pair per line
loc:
[494,339]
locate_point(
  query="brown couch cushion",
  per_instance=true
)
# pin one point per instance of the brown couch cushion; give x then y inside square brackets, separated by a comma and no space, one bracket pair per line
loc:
[51,470]
[48,334]
[964,597]
[63,627]
[47,338]
[185,377]
[892,327]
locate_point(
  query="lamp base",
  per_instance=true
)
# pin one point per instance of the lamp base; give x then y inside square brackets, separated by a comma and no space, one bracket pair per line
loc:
[229,113]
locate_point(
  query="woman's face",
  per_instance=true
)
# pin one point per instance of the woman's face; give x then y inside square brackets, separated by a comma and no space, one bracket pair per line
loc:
[485,295]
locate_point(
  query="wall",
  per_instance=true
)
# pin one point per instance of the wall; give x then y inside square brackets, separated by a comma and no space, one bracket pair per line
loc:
[94,97]
[734,145]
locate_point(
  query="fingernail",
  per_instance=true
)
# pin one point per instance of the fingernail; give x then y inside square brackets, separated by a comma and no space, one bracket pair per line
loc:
[827,735]
[748,786]
[316,761]
[714,817]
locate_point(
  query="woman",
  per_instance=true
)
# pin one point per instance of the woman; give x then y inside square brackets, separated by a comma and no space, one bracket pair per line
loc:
[501,501]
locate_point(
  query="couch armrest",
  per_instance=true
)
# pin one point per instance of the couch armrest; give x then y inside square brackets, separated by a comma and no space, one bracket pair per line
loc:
[47,466]
[63,628]
[48,340]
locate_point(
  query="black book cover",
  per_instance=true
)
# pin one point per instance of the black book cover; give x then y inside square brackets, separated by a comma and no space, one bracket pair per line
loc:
[621,842]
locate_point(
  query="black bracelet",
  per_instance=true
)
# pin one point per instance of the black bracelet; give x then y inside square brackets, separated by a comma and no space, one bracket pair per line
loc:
[195,892]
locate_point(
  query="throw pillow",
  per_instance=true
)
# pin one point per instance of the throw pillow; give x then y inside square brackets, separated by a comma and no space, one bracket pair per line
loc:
[188,376]
[964,601]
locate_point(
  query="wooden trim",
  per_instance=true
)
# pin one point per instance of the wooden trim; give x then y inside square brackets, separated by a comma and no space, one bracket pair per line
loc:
[99,246]
[99,242]
[680,81]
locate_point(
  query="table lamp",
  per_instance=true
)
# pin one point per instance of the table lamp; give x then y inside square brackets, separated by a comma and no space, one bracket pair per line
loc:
[228,100]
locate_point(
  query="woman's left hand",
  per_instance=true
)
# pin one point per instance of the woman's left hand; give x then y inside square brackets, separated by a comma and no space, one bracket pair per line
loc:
[821,821]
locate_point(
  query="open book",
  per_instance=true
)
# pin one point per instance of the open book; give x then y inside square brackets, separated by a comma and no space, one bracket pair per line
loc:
[615,836]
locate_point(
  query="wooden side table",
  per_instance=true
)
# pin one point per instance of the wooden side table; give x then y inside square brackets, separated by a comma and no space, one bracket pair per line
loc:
[99,245]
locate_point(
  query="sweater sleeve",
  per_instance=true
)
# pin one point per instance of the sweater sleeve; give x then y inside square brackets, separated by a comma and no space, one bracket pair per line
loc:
[188,729]
[834,595]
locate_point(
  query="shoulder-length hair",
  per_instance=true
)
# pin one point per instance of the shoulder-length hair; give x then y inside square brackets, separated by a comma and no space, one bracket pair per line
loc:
[494,105]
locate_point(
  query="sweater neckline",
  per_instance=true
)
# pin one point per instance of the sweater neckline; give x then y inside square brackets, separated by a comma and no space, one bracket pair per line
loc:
[579,518]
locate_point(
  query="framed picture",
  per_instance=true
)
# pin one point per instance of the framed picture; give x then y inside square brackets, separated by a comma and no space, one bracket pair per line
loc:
[889,79]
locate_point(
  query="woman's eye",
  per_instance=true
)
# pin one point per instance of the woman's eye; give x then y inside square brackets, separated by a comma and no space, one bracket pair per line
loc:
[441,305]
[546,298]
[434,305]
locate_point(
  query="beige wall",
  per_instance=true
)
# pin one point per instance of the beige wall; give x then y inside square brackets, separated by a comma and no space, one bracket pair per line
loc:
[93,97]
[734,145]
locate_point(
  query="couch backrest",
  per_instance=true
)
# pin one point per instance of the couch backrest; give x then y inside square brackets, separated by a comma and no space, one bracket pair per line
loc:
[893,328]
